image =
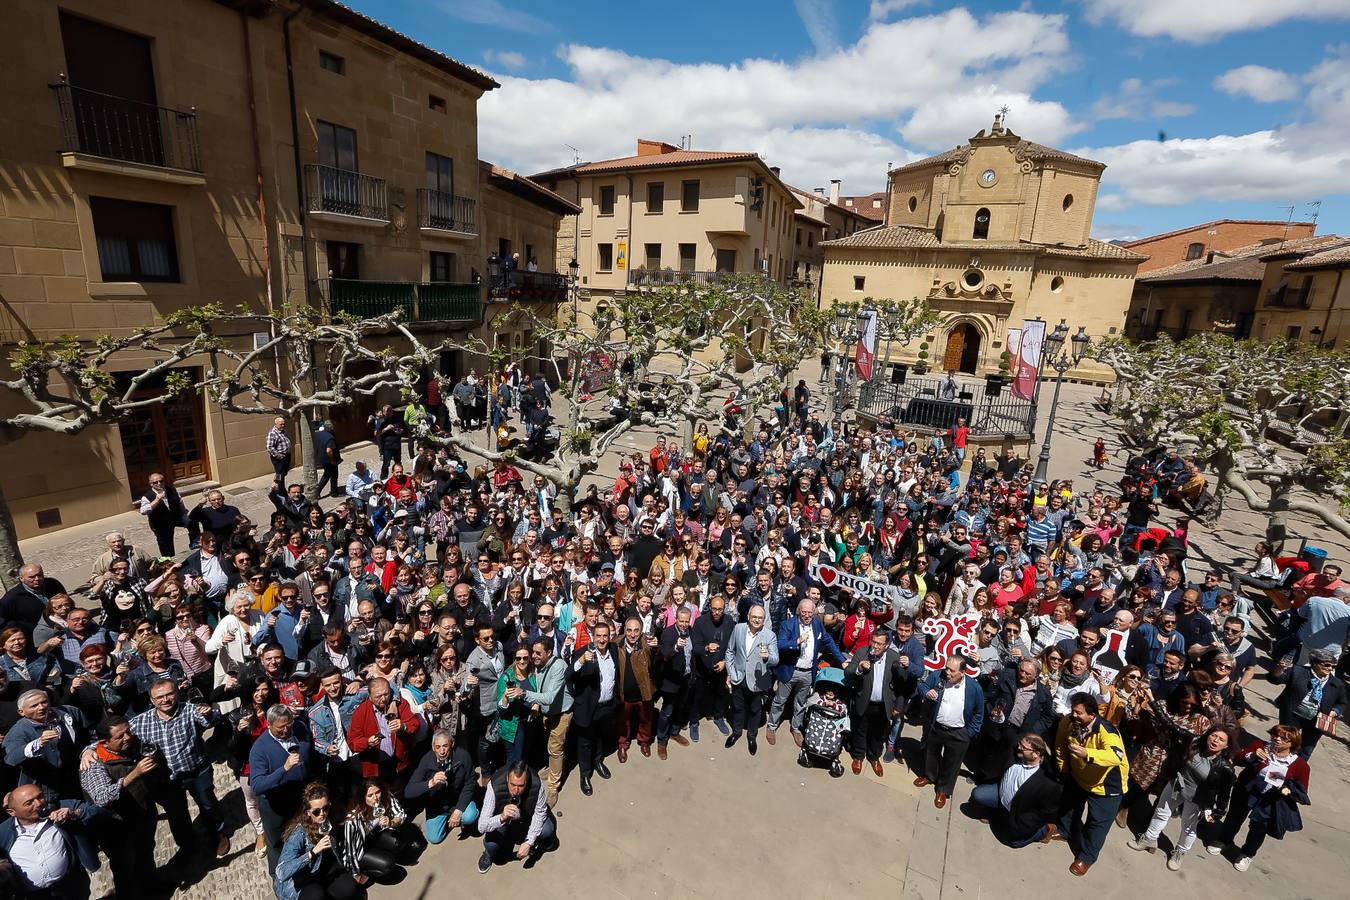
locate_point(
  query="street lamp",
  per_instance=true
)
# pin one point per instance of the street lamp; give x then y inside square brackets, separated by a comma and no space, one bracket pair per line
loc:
[849,326]
[1053,355]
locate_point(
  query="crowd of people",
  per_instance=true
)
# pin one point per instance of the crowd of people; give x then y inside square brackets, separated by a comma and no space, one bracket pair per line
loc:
[439,649]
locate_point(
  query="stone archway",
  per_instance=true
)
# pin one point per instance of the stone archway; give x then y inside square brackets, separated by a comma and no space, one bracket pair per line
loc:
[963,348]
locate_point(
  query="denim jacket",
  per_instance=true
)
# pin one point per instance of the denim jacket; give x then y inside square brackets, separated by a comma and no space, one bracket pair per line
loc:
[322,726]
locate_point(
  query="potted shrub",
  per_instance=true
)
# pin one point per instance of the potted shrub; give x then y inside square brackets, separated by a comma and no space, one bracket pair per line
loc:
[921,366]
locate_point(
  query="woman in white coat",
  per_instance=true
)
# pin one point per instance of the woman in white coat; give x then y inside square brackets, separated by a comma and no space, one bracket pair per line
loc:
[232,643]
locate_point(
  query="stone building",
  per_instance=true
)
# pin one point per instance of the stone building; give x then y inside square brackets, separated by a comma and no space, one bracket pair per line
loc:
[1221,236]
[1218,291]
[821,218]
[270,154]
[1305,294]
[990,233]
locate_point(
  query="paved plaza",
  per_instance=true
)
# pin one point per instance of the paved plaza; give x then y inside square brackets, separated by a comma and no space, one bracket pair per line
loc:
[712,822]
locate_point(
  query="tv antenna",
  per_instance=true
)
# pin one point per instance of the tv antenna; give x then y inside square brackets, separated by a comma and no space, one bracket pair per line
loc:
[576,154]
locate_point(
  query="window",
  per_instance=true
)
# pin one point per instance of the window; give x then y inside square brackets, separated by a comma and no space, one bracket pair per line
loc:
[972,279]
[726,260]
[344,260]
[607,200]
[688,257]
[135,240]
[503,248]
[799,237]
[656,196]
[529,253]
[440,173]
[1056,284]
[441,267]
[689,196]
[1294,332]
[758,262]
[332,62]
[1068,201]
[436,104]
[859,282]
[651,255]
[1195,251]
[810,239]
[981,224]
[913,203]
[606,260]
[337,147]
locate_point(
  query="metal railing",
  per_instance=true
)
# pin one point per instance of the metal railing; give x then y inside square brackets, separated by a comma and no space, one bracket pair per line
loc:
[922,402]
[432,301]
[1290,297]
[657,277]
[117,128]
[346,193]
[537,287]
[446,212]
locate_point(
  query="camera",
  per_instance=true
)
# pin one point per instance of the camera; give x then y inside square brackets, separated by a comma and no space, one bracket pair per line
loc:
[149,750]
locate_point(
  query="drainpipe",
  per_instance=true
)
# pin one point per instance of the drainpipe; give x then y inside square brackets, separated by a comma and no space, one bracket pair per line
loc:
[262,196]
[1331,306]
[295,148]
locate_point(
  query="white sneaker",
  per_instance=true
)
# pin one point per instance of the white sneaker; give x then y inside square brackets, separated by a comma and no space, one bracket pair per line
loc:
[1243,863]
[1214,849]
[1174,860]
[1142,843]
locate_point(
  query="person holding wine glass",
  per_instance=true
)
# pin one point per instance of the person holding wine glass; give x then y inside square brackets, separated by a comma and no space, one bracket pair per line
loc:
[376,838]
[307,867]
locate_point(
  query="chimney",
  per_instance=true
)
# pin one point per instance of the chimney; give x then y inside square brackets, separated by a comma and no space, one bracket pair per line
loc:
[819,192]
[654,148]
[775,170]
[834,191]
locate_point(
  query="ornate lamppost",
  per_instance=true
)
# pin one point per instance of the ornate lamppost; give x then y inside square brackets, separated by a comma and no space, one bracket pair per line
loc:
[1056,357]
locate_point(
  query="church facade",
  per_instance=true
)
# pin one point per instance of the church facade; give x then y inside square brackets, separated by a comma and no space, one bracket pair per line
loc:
[990,233]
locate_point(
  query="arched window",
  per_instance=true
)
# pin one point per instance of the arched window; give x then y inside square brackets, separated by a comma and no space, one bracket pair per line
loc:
[981,224]
[1068,201]
[1195,251]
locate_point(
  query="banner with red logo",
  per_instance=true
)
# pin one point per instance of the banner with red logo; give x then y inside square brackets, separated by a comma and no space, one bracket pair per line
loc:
[1028,361]
[867,347]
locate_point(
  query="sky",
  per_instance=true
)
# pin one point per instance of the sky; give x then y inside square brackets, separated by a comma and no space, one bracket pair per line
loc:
[1201,109]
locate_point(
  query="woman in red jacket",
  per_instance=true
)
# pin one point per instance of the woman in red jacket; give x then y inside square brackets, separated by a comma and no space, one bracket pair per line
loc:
[1273,783]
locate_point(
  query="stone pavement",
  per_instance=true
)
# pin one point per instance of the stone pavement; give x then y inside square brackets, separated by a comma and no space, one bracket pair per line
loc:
[690,825]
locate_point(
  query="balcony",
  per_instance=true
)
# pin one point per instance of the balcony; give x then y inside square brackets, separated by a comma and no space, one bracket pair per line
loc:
[665,277]
[1288,297]
[345,196]
[447,214]
[526,287]
[418,302]
[101,132]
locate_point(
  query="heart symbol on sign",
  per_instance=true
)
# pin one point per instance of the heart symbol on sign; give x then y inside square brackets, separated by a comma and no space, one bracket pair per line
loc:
[828,575]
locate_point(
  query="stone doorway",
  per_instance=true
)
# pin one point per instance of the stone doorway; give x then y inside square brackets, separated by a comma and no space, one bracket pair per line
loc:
[963,349]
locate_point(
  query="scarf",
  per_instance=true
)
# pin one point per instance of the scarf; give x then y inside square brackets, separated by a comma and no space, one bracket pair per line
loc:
[419,694]
[1068,679]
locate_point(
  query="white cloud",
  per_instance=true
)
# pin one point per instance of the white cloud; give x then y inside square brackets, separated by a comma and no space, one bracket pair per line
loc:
[494,14]
[1259,83]
[1135,99]
[1197,21]
[818,19]
[1289,164]
[880,10]
[509,59]
[932,80]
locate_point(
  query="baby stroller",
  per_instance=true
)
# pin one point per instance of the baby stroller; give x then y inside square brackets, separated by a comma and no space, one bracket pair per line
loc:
[826,722]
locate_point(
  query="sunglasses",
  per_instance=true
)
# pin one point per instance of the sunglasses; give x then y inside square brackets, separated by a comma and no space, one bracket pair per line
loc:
[544,618]
[384,656]
[314,811]
[525,658]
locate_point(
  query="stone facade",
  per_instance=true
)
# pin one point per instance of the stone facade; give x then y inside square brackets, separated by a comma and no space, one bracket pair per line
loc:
[221,203]
[991,233]
[1223,235]
[819,220]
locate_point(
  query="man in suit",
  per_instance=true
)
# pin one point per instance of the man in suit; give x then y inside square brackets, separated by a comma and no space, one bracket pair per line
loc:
[22,606]
[45,744]
[711,634]
[1023,804]
[594,677]
[209,570]
[165,512]
[955,720]
[802,641]
[752,653]
[677,671]
[291,503]
[876,674]
[1019,704]
[327,457]
[278,765]
[52,859]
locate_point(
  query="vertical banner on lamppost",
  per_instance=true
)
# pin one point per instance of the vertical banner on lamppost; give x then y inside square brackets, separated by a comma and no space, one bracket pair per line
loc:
[1014,346]
[1028,358]
[867,346]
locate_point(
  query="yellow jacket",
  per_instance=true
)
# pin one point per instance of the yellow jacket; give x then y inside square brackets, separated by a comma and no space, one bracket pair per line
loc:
[1105,770]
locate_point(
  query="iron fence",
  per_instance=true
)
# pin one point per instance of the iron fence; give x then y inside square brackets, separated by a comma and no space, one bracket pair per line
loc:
[446,212]
[434,301]
[540,287]
[926,402]
[117,128]
[331,190]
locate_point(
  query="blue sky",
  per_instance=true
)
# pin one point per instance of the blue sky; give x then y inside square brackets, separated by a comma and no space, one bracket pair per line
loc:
[1250,97]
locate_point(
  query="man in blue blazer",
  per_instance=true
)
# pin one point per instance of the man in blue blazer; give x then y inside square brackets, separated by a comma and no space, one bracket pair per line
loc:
[953,722]
[802,641]
[278,766]
[30,813]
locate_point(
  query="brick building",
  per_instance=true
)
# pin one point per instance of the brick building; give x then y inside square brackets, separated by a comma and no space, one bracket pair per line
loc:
[1223,235]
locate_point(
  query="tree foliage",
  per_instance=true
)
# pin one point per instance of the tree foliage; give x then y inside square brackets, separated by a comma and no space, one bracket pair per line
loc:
[1259,414]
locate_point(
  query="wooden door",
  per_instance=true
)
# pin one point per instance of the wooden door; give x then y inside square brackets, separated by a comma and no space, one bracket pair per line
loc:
[169,438]
[956,345]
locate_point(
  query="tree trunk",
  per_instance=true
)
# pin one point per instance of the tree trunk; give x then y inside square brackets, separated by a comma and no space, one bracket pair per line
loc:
[1277,528]
[305,421]
[11,558]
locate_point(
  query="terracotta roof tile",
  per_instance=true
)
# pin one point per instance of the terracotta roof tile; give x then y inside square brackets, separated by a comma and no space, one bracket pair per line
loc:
[1333,257]
[1205,226]
[1025,148]
[902,237]
[664,160]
